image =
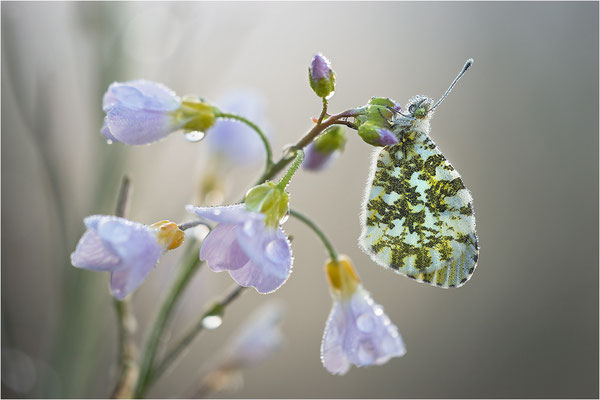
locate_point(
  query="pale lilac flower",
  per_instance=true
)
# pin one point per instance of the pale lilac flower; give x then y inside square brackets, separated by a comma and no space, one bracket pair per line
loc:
[254,254]
[234,141]
[257,339]
[357,330]
[139,112]
[128,250]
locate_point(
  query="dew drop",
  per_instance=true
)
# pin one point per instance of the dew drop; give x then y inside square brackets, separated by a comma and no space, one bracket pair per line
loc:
[272,251]
[367,353]
[284,219]
[289,151]
[212,322]
[109,141]
[330,95]
[249,228]
[194,136]
[365,322]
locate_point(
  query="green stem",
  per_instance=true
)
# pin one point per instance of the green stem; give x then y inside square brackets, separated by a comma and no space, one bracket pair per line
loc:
[263,137]
[324,112]
[309,137]
[127,347]
[188,269]
[301,217]
[217,308]
[190,265]
[290,172]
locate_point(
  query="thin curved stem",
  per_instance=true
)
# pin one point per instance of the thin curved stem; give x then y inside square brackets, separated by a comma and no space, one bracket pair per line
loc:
[252,125]
[217,308]
[301,217]
[190,265]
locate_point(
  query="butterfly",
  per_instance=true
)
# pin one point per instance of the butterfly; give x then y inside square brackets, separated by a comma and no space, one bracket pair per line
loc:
[417,216]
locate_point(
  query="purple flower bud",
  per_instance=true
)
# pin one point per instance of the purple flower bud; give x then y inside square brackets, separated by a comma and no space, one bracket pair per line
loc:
[321,76]
[316,160]
[128,250]
[139,112]
[254,254]
[320,67]
[386,137]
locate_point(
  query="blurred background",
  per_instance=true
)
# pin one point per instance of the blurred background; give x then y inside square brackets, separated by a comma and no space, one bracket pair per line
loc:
[521,128]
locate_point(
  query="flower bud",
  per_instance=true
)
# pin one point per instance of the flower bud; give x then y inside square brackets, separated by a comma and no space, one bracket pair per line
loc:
[376,136]
[341,276]
[320,153]
[195,114]
[270,200]
[375,121]
[321,76]
[168,234]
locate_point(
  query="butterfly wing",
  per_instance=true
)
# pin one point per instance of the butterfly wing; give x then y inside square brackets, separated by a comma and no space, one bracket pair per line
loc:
[418,216]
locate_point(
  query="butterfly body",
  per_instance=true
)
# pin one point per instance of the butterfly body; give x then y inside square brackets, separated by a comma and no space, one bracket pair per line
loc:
[417,214]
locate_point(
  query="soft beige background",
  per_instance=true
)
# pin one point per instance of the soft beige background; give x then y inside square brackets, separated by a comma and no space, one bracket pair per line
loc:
[522,129]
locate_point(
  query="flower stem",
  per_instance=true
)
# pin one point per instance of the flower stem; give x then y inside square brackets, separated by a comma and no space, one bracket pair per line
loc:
[217,308]
[324,112]
[190,264]
[263,137]
[292,170]
[301,217]
[127,347]
[339,119]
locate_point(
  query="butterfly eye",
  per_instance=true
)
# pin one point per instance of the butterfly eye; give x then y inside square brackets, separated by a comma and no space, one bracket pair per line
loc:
[420,112]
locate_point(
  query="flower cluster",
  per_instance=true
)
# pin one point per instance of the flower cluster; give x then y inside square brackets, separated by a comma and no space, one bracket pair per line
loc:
[246,239]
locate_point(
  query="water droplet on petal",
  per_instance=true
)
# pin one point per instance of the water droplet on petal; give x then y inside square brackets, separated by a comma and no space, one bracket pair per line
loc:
[366,322]
[272,251]
[249,228]
[212,322]
[109,141]
[194,136]
[216,212]
[367,353]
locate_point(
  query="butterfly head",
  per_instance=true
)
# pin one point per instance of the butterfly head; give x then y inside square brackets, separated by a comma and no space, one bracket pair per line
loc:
[419,107]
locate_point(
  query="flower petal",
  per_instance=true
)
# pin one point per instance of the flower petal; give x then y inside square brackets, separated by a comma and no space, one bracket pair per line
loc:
[220,249]
[106,132]
[93,253]
[134,243]
[332,355]
[124,281]
[234,214]
[137,127]
[270,257]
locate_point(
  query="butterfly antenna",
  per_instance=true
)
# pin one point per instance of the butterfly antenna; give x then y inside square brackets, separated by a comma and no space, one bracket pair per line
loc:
[460,74]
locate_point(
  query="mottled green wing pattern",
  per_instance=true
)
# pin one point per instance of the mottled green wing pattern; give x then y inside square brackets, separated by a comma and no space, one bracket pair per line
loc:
[418,216]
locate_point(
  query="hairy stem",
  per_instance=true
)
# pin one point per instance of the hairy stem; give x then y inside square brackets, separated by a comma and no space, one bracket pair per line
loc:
[290,172]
